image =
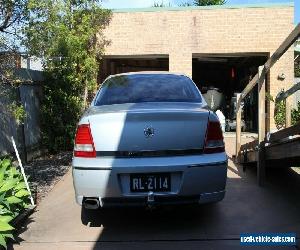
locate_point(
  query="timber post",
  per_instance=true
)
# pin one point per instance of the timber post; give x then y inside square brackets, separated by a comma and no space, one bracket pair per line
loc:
[238,127]
[261,168]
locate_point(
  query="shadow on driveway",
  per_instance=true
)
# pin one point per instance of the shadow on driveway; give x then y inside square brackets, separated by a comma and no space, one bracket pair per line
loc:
[246,208]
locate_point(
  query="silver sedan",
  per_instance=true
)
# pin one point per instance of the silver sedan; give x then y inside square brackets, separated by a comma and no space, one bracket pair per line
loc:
[148,139]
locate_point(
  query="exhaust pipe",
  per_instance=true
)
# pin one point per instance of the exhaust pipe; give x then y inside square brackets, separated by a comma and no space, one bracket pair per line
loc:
[91,203]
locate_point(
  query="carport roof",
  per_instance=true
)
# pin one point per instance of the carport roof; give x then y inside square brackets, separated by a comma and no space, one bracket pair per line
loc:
[239,6]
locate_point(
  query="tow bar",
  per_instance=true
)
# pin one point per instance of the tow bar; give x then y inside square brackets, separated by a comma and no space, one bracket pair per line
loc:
[150,200]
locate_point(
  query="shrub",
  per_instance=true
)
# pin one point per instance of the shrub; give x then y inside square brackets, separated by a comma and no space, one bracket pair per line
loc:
[297,70]
[296,115]
[68,35]
[279,114]
[14,198]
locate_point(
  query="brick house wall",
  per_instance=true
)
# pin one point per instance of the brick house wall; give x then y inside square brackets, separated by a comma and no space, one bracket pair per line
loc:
[180,32]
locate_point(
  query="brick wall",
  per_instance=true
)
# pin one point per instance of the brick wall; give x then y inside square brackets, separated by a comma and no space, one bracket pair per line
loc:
[180,33]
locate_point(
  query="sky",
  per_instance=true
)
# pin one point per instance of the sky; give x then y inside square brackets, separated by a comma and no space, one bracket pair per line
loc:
[118,4]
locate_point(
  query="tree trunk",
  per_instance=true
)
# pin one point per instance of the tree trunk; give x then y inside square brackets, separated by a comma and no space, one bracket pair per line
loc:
[85,96]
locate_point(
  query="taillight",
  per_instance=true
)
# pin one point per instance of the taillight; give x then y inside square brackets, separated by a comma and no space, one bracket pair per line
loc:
[214,138]
[84,145]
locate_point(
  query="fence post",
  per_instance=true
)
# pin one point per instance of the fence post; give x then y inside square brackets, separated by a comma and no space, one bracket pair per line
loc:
[238,127]
[261,168]
[22,128]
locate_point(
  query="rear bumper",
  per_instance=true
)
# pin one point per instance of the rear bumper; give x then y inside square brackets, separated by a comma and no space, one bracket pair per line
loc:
[159,200]
[195,179]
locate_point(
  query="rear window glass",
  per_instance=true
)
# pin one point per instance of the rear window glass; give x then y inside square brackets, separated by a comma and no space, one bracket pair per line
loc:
[147,88]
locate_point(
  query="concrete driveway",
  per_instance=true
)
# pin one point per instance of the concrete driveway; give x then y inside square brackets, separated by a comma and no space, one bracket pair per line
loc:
[59,223]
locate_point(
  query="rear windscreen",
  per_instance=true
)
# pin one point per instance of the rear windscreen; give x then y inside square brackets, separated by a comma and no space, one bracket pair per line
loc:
[147,88]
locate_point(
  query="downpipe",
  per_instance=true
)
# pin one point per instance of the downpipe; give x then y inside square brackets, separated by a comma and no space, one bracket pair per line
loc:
[91,203]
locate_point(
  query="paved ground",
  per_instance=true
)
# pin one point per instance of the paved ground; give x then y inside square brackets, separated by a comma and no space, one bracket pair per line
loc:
[59,224]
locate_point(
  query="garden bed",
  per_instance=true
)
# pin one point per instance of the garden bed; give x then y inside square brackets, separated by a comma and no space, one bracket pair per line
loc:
[21,218]
[44,172]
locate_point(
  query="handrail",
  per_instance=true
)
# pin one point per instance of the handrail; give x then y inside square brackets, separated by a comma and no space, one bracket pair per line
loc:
[284,133]
[282,96]
[259,79]
[287,43]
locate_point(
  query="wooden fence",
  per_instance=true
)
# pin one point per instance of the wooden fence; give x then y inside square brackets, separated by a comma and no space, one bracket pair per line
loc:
[27,134]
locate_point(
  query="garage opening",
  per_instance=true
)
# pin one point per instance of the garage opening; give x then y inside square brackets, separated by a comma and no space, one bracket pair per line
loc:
[116,65]
[221,77]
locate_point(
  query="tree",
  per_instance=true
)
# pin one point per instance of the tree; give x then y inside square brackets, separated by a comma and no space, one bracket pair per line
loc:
[161,4]
[13,15]
[12,18]
[208,2]
[185,4]
[68,35]
[203,3]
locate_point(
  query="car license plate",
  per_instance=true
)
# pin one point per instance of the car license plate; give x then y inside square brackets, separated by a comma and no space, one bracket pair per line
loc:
[160,182]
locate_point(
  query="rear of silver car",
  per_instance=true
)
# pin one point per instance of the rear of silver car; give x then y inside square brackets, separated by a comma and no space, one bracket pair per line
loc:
[149,153]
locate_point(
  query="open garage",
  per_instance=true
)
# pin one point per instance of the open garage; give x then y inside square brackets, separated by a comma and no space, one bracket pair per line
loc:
[122,64]
[220,77]
[218,46]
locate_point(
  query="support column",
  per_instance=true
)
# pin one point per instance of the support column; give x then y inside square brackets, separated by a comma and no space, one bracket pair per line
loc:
[288,110]
[238,128]
[261,107]
[261,165]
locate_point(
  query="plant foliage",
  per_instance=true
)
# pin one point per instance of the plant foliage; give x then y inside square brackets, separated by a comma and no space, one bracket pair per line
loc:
[279,114]
[13,198]
[296,114]
[162,4]
[208,2]
[18,112]
[191,3]
[297,70]
[68,35]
